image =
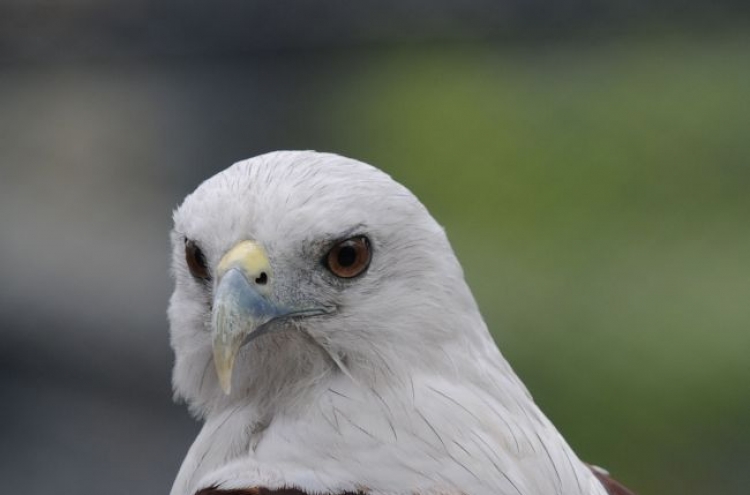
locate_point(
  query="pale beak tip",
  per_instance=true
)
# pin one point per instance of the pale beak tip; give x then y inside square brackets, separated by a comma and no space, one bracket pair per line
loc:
[225,380]
[224,365]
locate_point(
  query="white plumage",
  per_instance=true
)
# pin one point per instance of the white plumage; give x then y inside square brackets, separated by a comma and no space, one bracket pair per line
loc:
[392,385]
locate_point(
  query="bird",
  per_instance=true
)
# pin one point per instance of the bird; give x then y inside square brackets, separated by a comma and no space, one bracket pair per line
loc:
[325,335]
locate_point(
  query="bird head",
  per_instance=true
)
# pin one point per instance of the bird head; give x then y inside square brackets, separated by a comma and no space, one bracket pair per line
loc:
[292,266]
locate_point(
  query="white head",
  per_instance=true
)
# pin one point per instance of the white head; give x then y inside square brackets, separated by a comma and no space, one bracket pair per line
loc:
[293,266]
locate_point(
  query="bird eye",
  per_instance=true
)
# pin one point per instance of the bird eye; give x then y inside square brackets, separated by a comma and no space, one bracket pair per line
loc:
[196,261]
[349,258]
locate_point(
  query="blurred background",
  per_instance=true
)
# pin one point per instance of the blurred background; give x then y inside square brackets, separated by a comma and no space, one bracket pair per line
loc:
[589,160]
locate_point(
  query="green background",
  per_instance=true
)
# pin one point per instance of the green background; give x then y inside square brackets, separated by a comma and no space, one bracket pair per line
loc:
[599,199]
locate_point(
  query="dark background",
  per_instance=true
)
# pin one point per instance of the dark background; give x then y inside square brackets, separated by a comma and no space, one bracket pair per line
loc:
[589,160]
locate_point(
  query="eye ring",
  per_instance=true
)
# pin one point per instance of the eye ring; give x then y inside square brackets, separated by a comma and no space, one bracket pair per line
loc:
[350,257]
[196,261]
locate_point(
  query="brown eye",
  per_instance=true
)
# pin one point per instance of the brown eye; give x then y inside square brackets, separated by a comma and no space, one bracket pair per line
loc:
[349,258]
[196,261]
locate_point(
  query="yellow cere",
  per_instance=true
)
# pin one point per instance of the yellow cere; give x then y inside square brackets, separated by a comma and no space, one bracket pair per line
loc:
[247,255]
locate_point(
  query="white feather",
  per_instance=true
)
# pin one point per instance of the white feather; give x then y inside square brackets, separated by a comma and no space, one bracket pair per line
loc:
[401,391]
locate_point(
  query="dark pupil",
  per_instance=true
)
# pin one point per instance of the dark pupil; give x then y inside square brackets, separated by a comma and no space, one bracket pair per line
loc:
[199,258]
[347,256]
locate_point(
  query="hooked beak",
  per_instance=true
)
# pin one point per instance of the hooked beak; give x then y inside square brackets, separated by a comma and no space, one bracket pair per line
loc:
[242,307]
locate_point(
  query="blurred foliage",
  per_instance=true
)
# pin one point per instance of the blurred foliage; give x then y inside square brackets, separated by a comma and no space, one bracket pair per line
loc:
[597,195]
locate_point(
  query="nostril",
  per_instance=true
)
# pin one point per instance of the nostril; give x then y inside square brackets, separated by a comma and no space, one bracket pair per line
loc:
[261,279]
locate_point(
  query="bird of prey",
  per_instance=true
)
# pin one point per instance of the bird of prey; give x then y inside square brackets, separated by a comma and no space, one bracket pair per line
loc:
[324,333]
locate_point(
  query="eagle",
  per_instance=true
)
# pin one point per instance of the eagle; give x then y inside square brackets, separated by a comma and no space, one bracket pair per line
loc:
[325,335]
